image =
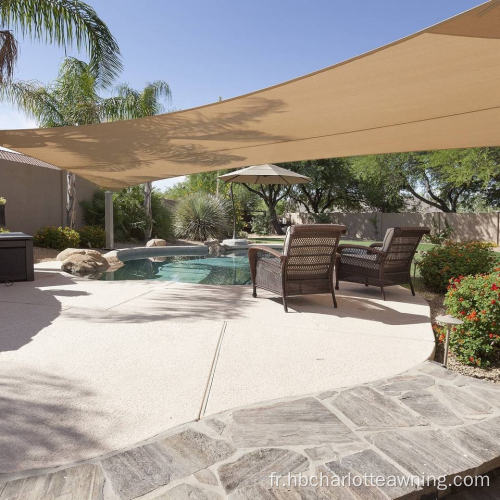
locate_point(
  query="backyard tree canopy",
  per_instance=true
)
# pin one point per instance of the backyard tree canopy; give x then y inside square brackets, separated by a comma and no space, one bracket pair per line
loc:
[436,89]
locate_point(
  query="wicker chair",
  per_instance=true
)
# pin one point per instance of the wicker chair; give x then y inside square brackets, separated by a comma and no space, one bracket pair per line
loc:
[381,264]
[305,266]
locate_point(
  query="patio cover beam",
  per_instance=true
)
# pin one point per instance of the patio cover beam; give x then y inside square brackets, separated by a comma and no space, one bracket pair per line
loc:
[436,89]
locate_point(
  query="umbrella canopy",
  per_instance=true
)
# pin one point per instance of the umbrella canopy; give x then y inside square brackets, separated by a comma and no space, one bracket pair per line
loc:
[265,174]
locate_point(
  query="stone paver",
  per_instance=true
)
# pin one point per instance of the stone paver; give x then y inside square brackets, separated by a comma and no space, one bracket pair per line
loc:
[341,433]
[368,409]
[302,421]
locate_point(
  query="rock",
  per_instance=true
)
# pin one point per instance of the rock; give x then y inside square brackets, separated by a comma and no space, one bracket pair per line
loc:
[214,247]
[112,258]
[85,264]
[156,242]
[70,251]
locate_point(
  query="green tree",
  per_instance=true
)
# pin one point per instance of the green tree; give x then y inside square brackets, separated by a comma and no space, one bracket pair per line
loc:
[131,103]
[332,185]
[379,182]
[61,22]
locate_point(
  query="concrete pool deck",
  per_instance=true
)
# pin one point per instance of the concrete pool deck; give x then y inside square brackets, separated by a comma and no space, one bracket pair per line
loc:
[91,367]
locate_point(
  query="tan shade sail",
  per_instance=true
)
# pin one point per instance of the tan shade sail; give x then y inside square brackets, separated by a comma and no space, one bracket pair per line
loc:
[437,89]
[265,174]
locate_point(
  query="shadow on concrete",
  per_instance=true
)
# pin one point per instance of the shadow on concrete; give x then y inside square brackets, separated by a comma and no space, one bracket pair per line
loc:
[38,412]
[25,309]
[192,303]
[352,307]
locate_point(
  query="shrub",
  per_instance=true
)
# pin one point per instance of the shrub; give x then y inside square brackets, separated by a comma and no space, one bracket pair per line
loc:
[439,236]
[57,237]
[202,216]
[261,223]
[476,301]
[92,237]
[129,216]
[450,260]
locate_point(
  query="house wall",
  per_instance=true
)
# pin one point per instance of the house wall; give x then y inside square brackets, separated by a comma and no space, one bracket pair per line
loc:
[373,225]
[36,196]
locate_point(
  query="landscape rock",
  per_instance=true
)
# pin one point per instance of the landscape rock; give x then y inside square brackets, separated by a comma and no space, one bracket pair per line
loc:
[70,251]
[156,242]
[82,264]
[214,247]
[112,258]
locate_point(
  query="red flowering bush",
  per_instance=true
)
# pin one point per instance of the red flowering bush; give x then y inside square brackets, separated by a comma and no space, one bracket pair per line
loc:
[476,301]
[452,259]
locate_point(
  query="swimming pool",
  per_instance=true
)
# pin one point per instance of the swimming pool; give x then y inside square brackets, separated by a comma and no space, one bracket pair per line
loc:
[232,269]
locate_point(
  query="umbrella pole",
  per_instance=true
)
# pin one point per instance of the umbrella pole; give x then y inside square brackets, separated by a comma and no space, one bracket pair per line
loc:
[234,211]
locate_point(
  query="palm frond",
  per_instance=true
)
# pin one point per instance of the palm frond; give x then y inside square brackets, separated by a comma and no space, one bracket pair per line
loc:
[34,99]
[8,55]
[64,22]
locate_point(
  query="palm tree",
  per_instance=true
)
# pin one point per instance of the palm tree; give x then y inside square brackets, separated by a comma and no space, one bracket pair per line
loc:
[132,103]
[60,22]
[73,100]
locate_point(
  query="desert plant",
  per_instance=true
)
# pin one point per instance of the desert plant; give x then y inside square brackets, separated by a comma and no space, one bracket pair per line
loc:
[476,301]
[92,236]
[450,260]
[202,216]
[58,238]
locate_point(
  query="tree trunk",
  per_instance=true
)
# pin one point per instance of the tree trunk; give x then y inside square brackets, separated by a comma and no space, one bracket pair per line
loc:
[274,220]
[148,209]
[70,200]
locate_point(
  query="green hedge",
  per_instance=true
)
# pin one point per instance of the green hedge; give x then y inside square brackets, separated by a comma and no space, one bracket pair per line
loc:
[58,238]
[451,260]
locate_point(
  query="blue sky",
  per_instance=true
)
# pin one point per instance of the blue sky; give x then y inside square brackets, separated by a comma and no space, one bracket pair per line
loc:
[205,49]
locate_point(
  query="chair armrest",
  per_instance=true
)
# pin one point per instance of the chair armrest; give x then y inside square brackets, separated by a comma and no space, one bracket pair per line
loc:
[360,249]
[376,244]
[262,248]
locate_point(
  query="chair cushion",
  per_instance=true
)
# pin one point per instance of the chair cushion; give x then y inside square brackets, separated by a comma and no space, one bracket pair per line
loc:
[387,239]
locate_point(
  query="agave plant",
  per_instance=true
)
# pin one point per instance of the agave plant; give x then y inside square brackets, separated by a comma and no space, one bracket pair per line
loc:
[202,216]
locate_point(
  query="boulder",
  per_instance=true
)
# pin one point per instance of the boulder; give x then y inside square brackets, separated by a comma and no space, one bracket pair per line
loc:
[156,242]
[77,251]
[214,247]
[82,264]
[112,258]
[69,251]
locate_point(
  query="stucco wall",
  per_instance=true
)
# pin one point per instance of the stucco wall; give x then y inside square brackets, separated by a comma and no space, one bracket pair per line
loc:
[36,196]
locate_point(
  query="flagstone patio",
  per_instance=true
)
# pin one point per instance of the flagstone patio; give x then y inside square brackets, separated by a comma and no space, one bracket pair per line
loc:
[388,428]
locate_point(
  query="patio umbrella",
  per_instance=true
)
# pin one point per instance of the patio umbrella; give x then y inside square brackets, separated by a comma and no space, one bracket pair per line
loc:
[261,174]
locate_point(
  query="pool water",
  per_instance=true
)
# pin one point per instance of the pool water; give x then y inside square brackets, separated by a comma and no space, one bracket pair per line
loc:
[225,270]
